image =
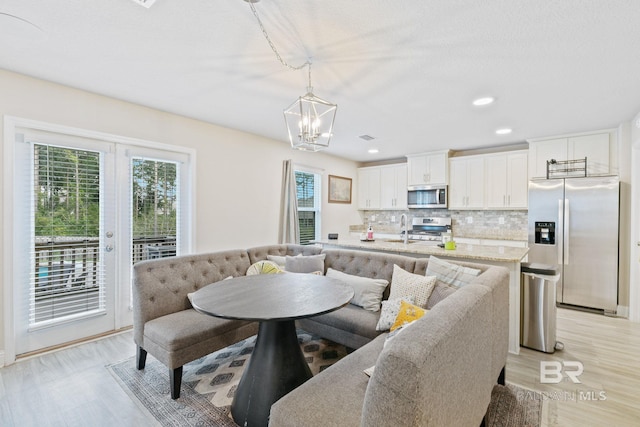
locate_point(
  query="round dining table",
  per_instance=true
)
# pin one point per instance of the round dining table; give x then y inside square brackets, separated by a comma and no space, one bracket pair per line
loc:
[277,364]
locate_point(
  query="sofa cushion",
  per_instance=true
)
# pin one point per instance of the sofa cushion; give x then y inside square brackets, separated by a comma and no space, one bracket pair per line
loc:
[176,331]
[450,274]
[350,319]
[305,264]
[389,312]
[404,284]
[408,313]
[367,292]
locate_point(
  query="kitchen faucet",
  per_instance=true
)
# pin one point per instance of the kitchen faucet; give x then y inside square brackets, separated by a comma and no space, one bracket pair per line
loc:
[404,220]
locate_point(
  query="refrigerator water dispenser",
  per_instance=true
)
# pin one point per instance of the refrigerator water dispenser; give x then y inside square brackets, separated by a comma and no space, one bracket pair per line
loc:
[545,233]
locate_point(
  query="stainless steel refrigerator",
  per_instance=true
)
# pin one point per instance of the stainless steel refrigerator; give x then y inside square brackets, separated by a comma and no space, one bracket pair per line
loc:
[573,223]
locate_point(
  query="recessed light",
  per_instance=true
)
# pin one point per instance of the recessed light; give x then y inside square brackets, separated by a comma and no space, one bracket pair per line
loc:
[484,101]
[504,131]
[373,151]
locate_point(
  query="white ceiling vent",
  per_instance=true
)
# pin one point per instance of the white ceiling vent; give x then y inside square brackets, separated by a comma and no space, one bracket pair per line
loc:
[145,3]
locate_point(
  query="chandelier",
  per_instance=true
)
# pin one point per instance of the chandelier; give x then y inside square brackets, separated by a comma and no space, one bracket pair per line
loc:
[309,119]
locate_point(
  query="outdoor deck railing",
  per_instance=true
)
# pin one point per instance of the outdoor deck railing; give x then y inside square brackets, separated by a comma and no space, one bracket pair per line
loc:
[67,264]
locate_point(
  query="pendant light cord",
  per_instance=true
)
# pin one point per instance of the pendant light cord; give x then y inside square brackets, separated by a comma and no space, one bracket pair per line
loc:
[273,47]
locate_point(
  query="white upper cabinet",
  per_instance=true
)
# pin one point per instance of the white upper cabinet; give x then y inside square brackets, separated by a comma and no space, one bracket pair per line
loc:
[382,187]
[507,180]
[600,149]
[466,182]
[393,187]
[369,188]
[428,168]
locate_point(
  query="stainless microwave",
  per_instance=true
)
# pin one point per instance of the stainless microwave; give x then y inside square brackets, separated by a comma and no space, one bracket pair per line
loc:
[427,196]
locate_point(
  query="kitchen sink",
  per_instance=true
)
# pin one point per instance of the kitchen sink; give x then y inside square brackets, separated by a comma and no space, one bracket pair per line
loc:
[399,241]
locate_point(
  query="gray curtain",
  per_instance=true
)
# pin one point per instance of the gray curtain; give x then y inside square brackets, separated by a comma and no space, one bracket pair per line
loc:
[289,228]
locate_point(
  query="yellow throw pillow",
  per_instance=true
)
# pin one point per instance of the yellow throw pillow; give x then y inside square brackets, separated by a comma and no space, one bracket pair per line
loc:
[407,314]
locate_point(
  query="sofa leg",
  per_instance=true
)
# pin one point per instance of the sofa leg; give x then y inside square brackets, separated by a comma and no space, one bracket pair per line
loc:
[483,423]
[141,357]
[501,377]
[175,380]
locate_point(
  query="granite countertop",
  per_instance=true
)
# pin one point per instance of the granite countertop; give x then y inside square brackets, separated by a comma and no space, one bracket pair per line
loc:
[463,251]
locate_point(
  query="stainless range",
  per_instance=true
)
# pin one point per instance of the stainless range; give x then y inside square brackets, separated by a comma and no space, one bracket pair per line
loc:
[429,230]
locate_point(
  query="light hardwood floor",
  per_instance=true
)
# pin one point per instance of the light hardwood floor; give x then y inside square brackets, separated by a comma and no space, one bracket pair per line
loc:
[609,349]
[72,387]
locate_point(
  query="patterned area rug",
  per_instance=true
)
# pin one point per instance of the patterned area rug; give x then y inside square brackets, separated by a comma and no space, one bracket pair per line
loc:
[208,385]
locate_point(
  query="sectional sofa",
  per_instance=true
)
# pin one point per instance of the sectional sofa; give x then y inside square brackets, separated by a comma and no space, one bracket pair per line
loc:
[438,371]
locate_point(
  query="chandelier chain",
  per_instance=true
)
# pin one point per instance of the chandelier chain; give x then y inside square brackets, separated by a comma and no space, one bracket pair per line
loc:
[273,47]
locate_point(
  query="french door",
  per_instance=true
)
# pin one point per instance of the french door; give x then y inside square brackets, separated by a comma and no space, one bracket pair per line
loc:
[85,210]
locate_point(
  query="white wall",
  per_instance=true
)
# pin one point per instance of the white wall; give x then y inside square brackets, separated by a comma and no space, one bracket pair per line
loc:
[238,174]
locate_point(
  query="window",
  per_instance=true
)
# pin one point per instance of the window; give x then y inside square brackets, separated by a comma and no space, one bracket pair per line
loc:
[308,191]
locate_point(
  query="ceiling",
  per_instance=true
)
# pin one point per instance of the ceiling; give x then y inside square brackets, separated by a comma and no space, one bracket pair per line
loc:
[404,72]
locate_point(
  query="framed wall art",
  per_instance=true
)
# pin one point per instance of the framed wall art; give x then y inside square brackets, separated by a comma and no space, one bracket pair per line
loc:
[339,189]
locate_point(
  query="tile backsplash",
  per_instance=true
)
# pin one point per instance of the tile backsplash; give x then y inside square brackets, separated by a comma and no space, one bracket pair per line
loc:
[500,225]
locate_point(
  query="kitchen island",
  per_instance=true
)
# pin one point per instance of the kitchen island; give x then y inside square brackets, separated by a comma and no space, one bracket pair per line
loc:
[504,256]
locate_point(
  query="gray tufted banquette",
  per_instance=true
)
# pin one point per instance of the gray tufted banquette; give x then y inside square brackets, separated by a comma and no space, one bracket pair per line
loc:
[164,323]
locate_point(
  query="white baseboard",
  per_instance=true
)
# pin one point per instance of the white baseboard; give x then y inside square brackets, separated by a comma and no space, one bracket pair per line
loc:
[622,311]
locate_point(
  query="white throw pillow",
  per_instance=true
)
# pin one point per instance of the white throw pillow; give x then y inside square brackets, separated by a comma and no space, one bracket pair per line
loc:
[367,292]
[305,264]
[390,310]
[450,274]
[404,284]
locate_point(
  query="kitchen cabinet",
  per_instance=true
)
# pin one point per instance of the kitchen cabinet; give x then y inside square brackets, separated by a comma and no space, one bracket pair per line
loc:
[506,180]
[466,182]
[428,168]
[393,187]
[369,188]
[600,149]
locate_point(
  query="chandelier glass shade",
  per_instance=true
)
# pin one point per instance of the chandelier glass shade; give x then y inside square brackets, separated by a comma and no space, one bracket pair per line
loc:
[309,122]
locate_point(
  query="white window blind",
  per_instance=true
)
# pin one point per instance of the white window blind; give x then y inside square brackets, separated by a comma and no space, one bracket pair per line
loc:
[308,195]
[67,272]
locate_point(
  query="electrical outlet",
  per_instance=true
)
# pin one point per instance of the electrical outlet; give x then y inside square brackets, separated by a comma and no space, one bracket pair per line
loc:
[393,218]
[501,220]
[372,218]
[469,220]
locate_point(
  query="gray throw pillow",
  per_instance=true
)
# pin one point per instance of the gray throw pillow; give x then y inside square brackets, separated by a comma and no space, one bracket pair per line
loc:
[447,273]
[305,264]
[440,292]
[367,292]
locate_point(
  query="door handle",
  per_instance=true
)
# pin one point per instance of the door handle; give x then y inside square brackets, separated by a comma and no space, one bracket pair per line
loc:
[566,231]
[560,235]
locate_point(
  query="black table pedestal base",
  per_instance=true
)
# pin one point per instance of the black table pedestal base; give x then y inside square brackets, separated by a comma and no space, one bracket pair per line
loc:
[276,367]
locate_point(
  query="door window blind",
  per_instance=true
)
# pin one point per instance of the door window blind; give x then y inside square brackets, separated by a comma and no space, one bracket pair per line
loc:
[67,274]
[155,208]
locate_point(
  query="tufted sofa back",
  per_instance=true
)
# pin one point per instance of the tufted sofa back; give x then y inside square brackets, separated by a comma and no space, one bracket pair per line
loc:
[260,253]
[160,286]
